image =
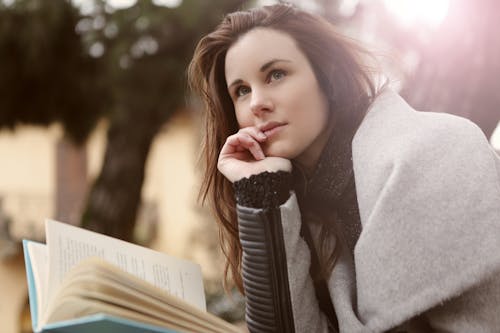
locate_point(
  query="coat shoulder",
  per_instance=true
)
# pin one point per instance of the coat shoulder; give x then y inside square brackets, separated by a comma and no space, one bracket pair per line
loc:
[392,127]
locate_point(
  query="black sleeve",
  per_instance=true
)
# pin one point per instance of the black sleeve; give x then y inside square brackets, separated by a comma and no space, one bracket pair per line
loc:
[265,277]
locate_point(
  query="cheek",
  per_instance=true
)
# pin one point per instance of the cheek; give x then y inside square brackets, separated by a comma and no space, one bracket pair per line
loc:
[311,110]
[244,119]
[315,119]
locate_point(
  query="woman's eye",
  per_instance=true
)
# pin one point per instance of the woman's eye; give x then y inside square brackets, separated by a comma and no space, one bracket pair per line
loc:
[241,91]
[277,75]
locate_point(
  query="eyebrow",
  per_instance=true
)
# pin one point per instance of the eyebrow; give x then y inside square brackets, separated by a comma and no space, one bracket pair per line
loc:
[263,68]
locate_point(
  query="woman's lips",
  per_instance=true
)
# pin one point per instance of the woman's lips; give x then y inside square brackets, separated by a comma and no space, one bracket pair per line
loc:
[273,128]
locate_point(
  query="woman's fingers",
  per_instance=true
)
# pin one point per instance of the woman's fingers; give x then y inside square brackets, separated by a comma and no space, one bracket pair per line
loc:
[254,132]
[242,156]
[245,140]
[252,145]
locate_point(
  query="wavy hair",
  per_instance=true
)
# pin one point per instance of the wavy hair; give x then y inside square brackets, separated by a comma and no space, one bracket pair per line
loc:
[336,62]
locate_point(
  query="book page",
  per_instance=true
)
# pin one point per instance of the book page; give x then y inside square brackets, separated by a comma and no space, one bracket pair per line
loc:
[126,296]
[38,254]
[68,245]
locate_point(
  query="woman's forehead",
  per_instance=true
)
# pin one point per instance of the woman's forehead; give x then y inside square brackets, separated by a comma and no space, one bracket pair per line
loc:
[256,48]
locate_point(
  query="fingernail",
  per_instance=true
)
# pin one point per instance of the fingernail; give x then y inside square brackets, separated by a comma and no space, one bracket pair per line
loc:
[262,136]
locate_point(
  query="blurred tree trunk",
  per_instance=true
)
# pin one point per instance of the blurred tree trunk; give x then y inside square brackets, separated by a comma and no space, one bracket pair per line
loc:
[149,93]
[459,68]
[115,196]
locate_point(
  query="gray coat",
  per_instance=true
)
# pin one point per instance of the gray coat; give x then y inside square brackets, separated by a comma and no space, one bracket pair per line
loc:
[428,257]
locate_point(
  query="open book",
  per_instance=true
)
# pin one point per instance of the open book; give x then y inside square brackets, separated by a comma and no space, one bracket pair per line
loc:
[82,281]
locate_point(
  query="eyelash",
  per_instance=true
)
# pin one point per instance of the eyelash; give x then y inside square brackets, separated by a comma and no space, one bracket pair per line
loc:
[269,78]
[274,71]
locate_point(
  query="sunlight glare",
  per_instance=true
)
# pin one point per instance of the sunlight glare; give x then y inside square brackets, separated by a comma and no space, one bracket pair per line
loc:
[121,4]
[168,3]
[409,12]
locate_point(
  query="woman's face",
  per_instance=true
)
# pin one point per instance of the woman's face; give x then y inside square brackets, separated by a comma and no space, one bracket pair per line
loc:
[273,87]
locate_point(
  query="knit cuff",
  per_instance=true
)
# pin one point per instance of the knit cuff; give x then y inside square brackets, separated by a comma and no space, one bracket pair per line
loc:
[264,190]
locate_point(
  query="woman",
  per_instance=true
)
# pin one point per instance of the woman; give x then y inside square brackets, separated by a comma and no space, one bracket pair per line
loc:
[340,207]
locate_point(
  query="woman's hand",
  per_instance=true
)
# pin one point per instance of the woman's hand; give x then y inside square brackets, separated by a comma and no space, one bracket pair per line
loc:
[242,156]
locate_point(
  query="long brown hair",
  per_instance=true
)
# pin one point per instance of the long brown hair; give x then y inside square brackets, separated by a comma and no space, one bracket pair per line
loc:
[336,63]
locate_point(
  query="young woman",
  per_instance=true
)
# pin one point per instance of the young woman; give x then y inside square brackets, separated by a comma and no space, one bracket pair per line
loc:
[340,207]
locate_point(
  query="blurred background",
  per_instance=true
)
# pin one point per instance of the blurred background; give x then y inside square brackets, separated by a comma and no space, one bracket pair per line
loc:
[98,130]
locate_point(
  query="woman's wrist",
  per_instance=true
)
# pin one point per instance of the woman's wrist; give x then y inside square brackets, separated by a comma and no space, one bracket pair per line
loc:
[264,190]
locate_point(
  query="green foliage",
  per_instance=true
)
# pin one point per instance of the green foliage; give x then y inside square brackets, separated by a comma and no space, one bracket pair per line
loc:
[46,75]
[150,49]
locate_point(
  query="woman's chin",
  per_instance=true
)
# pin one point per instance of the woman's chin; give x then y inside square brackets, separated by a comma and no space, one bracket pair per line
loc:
[275,151]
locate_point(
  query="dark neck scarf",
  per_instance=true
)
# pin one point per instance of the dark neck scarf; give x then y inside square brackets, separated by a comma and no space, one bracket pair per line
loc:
[331,188]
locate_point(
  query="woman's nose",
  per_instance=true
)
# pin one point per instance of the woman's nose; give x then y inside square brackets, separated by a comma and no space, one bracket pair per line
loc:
[260,102]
